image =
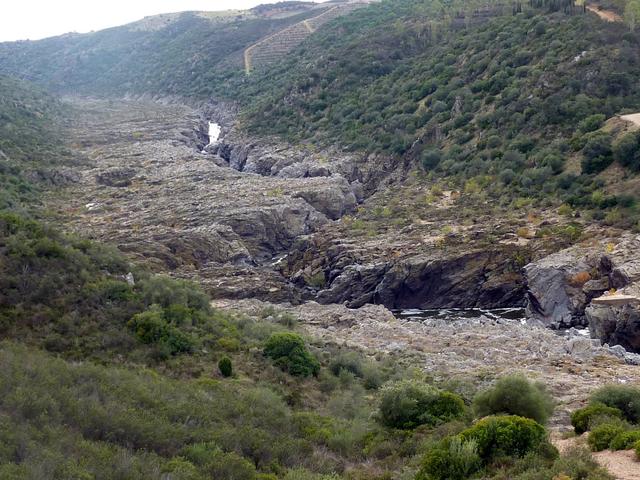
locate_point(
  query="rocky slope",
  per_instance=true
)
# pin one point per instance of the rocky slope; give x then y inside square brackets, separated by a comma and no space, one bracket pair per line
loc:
[149,189]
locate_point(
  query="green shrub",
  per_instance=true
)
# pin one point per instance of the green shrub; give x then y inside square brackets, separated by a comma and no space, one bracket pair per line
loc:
[151,327]
[515,395]
[601,436]
[626,151]
[225,367]
[637,449]
[581,418]
[625,440]
[289,352]
[597,153]
[452,459]
[623,397]
[349,361]
[431,159]
[407,404]
[592,123]
[505,435]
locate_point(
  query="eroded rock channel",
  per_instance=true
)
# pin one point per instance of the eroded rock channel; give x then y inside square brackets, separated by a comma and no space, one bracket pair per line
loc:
[255,218]
[263,225]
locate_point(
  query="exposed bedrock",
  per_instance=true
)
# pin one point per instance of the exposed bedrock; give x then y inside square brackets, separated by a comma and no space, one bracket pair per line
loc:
[562,286]
[365,172]
[487,278]
[615,325]
[146,186]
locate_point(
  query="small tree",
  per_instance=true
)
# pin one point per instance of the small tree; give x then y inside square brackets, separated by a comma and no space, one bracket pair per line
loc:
[451,459]
[625,398]
[505,435]
[626,151]
[431,159]
[597,153]
[581,419]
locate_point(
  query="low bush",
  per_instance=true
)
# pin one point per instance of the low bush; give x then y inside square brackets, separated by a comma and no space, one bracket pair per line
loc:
[625,398]
[515,395]
[505,435]
[637,449]
[627,151]
[581,418]
[625,440]
[152,327]
[451,459]
[225,367]
[407,404]
[597,153]
[601,436]
[289,352]
[349,361]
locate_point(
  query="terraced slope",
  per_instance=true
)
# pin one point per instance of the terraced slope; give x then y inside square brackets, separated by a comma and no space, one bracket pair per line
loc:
[271,49]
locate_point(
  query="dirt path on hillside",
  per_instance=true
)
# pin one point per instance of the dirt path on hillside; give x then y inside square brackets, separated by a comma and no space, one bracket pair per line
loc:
[621,464]
[633,118]
[606,15]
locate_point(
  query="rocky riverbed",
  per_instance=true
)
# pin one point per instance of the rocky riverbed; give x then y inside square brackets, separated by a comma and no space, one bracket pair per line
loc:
[475,351]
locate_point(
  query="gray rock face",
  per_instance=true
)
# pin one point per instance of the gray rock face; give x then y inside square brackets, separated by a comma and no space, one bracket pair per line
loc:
[552,297]
[438,278]
[150,190]
[615,325]
[475,279]
[562,286]
[335,201]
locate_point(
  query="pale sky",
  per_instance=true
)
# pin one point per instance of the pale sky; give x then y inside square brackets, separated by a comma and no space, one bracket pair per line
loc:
[35,19]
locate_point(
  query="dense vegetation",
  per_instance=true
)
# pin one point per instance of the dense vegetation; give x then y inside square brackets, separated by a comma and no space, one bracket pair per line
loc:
[612,418]
[506,105]
[112,373]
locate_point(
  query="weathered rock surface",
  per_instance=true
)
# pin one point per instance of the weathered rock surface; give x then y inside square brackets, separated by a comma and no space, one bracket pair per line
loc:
[615,325]
[562,286]
[399,273]
[147,188]
[554,297]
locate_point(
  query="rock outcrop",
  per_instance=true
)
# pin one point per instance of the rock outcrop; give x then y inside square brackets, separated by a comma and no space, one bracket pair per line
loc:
[341,270]
[555,294]
[615,325]
[561,288]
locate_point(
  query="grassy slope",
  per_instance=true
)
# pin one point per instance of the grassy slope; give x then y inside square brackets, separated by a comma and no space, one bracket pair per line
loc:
[29,126]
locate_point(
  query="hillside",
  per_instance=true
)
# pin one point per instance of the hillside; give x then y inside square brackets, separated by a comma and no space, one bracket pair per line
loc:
[400,259]
[30,121]
[507,117]
[186,54]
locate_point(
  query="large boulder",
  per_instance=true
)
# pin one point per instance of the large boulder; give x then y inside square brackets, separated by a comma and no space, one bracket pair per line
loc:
[615,325]
[555,294]
[561,286]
